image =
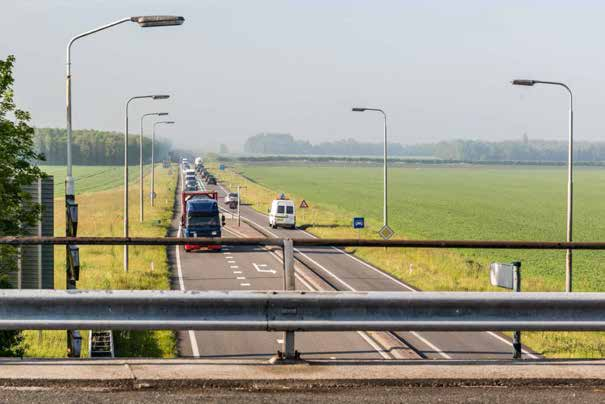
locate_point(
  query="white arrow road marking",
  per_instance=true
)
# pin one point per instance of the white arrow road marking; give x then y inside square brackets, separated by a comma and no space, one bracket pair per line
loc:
[271,271]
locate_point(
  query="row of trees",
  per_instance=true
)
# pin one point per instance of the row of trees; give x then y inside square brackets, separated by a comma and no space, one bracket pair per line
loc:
[458,150]
[280,144]
[93,147]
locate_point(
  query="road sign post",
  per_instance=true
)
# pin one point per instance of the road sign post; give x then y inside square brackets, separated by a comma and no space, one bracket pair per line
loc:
[508,276]
[303,205]
[358,223]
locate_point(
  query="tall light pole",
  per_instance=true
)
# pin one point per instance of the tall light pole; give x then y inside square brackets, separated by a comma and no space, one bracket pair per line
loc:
[385,186]
[70,198]
[568,260]
[153,97]
[141,161]
[152,194]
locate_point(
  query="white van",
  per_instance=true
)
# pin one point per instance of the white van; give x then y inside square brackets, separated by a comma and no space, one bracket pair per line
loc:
[282,214]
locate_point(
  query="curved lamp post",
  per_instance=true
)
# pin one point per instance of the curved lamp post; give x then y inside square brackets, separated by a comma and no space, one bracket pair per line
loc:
[384,115]
[568,260]
[70,198]
[141,210]
[153,97]
[152,194]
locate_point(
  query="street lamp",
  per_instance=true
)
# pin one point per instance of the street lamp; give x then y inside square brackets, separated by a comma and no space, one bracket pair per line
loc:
[568,261]
[152,195]
[143,21]
[70,198]
[141,161]
[153,97]
[388,232]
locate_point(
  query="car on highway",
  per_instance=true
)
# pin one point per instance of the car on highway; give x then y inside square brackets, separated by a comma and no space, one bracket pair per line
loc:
[190,187]
[211,180]
[282,213]
[231,200]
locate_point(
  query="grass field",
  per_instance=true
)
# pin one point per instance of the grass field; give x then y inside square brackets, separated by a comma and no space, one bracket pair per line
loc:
[92,178]
[101,266]
[481,203]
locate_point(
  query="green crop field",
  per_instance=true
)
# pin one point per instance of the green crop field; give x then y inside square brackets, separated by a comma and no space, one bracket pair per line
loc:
[92,178]
[465,203]
[462,202]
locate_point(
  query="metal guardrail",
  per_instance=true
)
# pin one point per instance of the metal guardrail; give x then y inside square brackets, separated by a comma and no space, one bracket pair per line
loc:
[301,311]
[319,242]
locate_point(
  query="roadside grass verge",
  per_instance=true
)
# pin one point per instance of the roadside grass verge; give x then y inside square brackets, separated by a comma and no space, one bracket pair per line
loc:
[450,203]
[101,214]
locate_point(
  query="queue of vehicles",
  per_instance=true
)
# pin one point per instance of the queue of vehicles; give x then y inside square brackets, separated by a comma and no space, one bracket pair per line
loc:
[200,209]
[200,215]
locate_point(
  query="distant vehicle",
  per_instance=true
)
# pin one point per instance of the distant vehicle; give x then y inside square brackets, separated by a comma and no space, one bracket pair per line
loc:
[186,166]
[200,218]
[189,171]
[211,180]
[231,200]
[190,177]
[282,213]
[189,187]
[199,162]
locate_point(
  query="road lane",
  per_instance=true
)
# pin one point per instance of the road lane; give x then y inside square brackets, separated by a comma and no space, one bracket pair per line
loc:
[253,268]
[347,272]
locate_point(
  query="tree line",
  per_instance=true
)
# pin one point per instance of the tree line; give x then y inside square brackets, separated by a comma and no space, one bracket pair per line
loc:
[94,147]
[523,150]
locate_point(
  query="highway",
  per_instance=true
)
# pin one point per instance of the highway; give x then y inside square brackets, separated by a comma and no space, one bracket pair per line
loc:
[328,268]
[249,268]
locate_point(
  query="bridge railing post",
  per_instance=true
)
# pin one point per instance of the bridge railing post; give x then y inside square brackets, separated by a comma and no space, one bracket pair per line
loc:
[289,350]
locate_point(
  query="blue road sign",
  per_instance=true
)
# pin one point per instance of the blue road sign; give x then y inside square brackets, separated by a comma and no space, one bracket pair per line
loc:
[358,223]
[221,167]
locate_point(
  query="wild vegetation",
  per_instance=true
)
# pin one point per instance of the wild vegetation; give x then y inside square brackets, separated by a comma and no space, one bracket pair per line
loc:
[453,203]
[101,266]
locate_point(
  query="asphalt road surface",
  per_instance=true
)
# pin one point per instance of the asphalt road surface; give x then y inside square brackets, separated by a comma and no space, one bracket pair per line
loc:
[246,268]
[366,394]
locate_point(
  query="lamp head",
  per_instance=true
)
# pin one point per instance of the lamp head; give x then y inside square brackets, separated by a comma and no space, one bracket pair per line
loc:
[355,109]
[158,20]
[160,97]
[523,82]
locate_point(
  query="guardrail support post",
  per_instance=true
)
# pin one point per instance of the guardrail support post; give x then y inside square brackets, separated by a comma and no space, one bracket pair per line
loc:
[289,350]
[517,354]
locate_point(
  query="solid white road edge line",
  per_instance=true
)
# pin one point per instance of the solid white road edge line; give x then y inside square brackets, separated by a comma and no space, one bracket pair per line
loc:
[195,350]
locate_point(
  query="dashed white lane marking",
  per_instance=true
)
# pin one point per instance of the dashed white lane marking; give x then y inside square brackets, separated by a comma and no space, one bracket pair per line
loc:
[244,284]
[228,257]
[237,272]
[231,262]
[280,341]
[234,267]
[240,278]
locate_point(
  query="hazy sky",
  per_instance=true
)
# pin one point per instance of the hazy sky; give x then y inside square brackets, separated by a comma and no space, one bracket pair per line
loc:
[441,69]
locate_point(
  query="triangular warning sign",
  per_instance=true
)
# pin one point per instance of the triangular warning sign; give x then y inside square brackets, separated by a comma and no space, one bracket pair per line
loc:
[304,204]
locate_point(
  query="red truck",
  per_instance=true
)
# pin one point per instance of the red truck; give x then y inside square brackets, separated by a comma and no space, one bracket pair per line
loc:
[200,217]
